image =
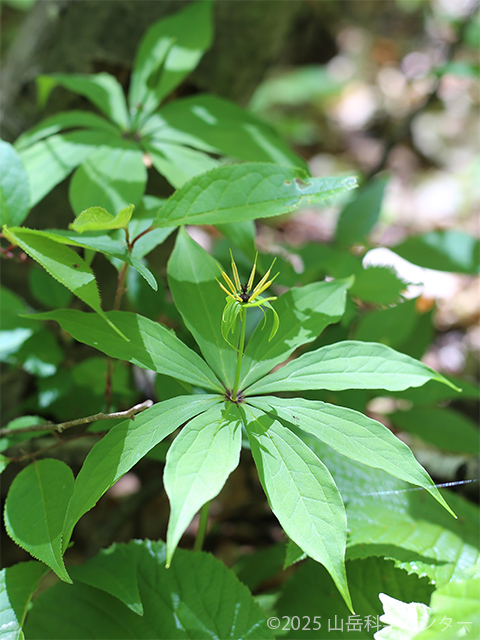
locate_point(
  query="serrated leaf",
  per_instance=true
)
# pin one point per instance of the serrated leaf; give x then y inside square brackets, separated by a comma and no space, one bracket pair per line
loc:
[173,46]
[234,193]
[360,215]
[150,345]
[14,188]
[353,435]
[111,177]
[99,219]
[198,464]
[63,264]
[102,89]
[301,493]
[349,365]
[303,314]
[17,586]
[124,446]
[198,597]
[192,277]
[450,250]
[35,511]
[378,285]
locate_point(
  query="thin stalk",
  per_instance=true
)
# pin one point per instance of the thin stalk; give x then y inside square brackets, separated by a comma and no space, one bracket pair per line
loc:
[241,345]
[202,527]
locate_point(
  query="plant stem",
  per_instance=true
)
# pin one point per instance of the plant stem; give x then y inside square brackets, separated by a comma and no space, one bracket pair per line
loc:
[241,344]
[202,527]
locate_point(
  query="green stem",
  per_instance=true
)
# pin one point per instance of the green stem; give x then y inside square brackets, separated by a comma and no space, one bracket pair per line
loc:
[241,345]
[202,527]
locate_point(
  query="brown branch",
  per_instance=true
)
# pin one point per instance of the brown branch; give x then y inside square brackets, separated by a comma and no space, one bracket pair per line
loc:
[61,426]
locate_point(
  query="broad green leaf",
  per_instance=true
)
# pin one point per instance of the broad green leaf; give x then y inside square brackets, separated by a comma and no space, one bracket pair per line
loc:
[48,292]
[50,161]
[169,50]
[151,345]
[454,611]
[434,392]
[61,121]
[102,89]
[199,462]
[238,192]
[259,566]
[113,570]
[443,427]
[303,314]
[390,519]
[310,595]
[17,586]
[450,250]
[14,189]
[379,285]
[35,511]
[349,365]
[62,263]
[360,215]
[355,436]
[242,235]
[198,597]
[124,446]
[99,219]
[226,129]
[176,163]
[390,326]
[192,277]
[301,493]
[112,177]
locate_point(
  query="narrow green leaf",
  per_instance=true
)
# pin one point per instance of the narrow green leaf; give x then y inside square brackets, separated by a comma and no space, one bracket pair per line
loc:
[349,365]
[360,215]
[102,89]
[198,597]
[450,250]
[443,427]
[111,177]
[199,462]
[59,122]
[192,277]
[124,446]
[174,45]
[150,346]
[301,493]
[63,264]
[226,129]
[99,219]
[303,314]
[17,586]
[238,192]
[49,161]
[14,189]
[355,436]
[35,511]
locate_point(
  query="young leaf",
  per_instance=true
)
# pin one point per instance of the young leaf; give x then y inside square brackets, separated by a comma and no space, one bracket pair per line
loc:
[35,511]
[450,250]
[102,89]
[124,446]
[303,313]
[238,192]
[17,586]
[99,219]
[301,493]
[198,597]
[170,49]
[198,464]
[151,345]
[355,436]
[360,215]
[349,365]
[14,189]
[63,264]
[111,177]
[192,277]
